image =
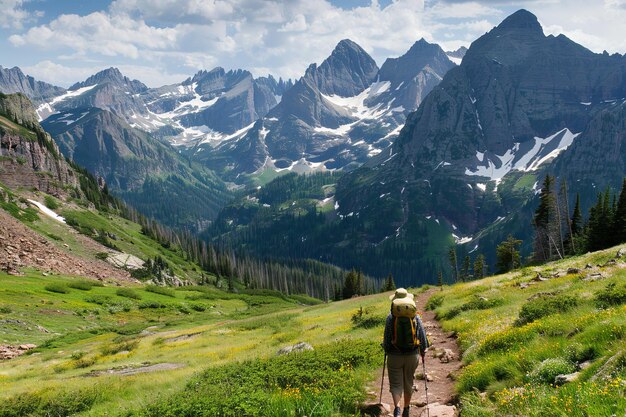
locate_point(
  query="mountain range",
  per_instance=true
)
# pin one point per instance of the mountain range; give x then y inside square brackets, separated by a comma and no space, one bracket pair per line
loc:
[435,148]
[467,165]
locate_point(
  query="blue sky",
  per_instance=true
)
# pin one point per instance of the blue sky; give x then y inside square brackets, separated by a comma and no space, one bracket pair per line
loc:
[165,41]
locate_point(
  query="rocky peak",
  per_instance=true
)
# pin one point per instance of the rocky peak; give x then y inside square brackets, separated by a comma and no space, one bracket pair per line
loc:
[346,72]
[111,76]
[13,80]
[459,53]
[420,55]
[521,20]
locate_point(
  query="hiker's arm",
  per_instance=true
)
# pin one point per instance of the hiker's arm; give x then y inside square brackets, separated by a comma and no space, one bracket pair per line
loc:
[422,336]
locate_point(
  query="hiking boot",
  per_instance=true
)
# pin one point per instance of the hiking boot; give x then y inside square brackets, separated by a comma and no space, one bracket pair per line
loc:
[396,412]
[405,412]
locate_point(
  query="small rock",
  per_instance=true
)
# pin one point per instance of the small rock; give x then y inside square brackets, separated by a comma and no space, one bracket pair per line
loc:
[298,347]
[573,271]
[584,365]
[588,266]
[565,378]
[524,285]
[419,403]
[540,278]
[375,409]
[621,253]
[439,410]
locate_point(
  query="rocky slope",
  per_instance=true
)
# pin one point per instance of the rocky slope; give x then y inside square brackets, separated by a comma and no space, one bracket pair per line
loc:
[475,150]
[144,171]
[337,116]
[28,155]
[13,80]
[467,164]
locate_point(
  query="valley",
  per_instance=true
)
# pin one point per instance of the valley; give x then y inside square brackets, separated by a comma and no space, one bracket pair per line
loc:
[226,245]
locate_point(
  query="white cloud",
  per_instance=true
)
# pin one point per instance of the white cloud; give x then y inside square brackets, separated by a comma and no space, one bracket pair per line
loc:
[12,15]
[283,37]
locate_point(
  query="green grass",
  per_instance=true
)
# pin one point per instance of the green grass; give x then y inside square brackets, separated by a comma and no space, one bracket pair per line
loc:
[514,349]
[89,332]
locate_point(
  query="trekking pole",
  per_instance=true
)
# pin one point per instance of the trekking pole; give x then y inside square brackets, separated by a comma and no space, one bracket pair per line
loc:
[382,381]
[425,385]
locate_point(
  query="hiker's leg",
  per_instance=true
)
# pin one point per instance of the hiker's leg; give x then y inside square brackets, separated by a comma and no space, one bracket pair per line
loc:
[410,365]
[395,370]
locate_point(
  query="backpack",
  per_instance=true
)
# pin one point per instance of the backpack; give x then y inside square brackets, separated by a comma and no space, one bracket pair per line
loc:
[404,336]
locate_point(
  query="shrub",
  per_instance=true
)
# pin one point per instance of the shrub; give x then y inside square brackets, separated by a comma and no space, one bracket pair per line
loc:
[611,295]
[5,310]
[51,202]
[125,346]
[160,290]
[198,307]
[45,403]
[128,293]
[58,288]
[478,303]
[548,370]
[102,256]
[545,305]
[365,319]
[434,302]
[82,285]
[99,299]
[151,304]
[320,382]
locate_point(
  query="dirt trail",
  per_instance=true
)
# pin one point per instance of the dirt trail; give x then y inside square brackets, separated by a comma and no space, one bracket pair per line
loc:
[441,388]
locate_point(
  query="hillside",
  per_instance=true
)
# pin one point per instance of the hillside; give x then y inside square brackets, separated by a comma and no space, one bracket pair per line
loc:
[520,331]
[153,351]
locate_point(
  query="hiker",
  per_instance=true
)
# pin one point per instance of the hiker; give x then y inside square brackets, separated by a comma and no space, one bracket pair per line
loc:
[404,338]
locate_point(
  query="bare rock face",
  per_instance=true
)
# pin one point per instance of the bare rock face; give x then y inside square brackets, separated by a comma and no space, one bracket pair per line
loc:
[13,80]
[28,156]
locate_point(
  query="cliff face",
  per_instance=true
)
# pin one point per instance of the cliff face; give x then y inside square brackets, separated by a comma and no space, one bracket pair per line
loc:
[29,157]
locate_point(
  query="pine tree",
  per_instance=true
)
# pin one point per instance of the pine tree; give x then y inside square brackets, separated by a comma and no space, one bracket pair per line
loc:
[390,284]
[577,222]
[453,263]
[350,285]
[479,266]
[547,224]
[507,254]
[466,268]
[440,280]
[619,221]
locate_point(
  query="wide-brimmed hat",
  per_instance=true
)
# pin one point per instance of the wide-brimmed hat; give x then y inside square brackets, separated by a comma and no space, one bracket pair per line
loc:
[401,293]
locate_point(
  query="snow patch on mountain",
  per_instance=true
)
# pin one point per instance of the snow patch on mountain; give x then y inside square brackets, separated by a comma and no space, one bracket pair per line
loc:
[46,110]
[495,167]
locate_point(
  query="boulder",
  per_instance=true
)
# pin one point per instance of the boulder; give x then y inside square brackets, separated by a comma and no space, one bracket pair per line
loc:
[565,378]
[621,253]
[375,409]
[298,347]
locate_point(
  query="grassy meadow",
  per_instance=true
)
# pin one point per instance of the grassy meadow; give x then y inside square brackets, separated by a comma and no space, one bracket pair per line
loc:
[517,340]
[95,341]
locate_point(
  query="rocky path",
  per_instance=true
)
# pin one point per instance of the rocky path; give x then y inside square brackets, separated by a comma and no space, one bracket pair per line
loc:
[442,360]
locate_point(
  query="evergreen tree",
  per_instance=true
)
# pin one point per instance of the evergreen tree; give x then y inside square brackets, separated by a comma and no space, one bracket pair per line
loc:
[619,221]
[390,284]
[547,224]
[600,223]
[440,280]
[350,285]
[453,263]
[466,269]
[507,254]
[577,222]
[479,266]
